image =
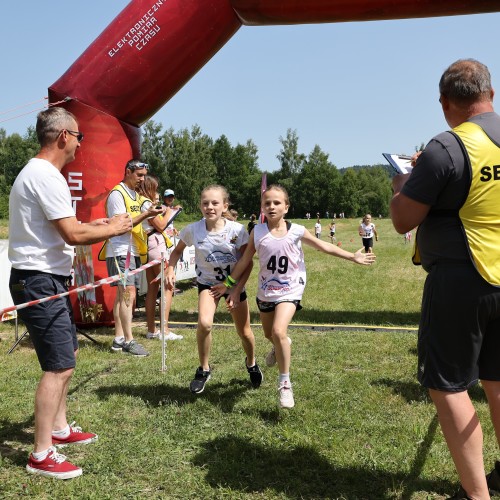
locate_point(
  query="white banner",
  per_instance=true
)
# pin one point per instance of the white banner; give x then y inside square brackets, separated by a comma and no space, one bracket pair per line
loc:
[185,269]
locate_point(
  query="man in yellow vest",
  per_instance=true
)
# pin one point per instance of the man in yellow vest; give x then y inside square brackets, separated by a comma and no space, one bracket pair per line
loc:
[124,199]
[453,195]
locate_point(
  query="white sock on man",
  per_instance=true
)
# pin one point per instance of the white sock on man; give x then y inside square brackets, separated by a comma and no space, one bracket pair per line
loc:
[40,455]
[284,377]
[63,433]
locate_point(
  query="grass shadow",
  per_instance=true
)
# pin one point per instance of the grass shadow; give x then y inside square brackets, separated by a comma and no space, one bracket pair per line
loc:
[224,396]
[379,318]
[299,473]
[16,432]
[410,391]
[414,392]
[315,316]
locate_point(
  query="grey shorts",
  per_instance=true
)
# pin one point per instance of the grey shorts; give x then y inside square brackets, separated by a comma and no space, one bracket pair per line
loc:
[50,324]
[135,262]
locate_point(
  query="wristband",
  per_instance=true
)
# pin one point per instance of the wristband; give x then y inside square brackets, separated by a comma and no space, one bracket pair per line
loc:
[231,280]
[227,284]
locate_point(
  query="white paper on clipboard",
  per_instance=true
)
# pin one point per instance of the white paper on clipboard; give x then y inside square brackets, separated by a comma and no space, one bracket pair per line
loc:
[400,163]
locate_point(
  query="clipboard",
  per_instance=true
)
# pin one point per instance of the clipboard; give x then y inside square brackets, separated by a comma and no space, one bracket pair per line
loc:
[400,163]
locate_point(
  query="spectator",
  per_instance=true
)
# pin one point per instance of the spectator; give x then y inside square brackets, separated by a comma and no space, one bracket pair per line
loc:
[42,230]
[159,244]
[317,229]
[252,223]
[123,198]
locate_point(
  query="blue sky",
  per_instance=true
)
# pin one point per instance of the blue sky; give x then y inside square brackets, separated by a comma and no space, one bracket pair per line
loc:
[355,89]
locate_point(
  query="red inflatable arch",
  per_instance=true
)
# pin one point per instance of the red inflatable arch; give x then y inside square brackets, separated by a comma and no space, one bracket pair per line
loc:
[151,49]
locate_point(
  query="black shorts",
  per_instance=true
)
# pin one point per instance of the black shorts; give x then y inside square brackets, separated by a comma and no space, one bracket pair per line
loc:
[459,333]
[266,307]
[201,287]
[51,325]
[368,243]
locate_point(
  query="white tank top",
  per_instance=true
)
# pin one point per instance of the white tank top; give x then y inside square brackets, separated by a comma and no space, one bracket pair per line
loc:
[282,273]
[367,230]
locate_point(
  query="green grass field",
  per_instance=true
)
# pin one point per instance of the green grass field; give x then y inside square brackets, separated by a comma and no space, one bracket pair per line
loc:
[362,427]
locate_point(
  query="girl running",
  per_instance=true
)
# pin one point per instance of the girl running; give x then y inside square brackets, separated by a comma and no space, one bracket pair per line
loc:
[282,278]
[366,231]
[219,242]
[157,245]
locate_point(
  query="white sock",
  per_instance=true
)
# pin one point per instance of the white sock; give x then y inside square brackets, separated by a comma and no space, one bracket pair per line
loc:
[40,455]
[250,366]
[284,377]
[63,433]
[120,340]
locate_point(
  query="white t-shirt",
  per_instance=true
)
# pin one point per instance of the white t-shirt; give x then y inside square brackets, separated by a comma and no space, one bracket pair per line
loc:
[317,228]
[282,273]
[40,194]
[215,253]
[146,224]
[115,204]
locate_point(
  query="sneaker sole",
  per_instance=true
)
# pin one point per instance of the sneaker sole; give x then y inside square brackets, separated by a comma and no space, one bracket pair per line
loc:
[55,475]
[202,389]
[116,349]
[287,405]
[85,441]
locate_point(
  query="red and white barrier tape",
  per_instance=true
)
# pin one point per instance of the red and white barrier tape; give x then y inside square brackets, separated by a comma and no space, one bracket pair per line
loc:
[82,288]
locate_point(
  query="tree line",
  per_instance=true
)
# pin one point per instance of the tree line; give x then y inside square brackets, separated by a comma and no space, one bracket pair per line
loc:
[188,160]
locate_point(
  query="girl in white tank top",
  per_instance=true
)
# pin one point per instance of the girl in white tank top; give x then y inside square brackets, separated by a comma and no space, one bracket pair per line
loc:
[218,243]
[282,278]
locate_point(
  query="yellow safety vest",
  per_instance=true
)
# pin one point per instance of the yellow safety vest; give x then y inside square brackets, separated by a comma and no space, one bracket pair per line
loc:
[480,213]
[133,207]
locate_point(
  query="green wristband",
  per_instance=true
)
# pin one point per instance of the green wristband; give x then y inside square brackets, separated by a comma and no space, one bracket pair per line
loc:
[227,284]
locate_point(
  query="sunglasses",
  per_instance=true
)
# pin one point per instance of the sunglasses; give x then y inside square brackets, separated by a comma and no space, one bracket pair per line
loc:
[78,135]
[136,166]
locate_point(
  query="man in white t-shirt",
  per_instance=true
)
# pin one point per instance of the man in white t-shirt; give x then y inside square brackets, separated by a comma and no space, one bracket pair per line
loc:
[42,231]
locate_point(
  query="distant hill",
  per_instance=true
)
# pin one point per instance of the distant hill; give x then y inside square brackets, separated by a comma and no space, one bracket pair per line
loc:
[384,166]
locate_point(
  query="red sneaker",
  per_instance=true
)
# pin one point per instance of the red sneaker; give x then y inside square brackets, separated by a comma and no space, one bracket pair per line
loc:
[76,436]
[54,465]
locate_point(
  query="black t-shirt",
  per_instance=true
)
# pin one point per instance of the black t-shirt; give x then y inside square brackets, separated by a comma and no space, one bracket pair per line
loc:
[441,179]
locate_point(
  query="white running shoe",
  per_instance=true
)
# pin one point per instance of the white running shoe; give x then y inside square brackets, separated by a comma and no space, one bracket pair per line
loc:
[286,395]
[173,336]
[271,355]
[169,336]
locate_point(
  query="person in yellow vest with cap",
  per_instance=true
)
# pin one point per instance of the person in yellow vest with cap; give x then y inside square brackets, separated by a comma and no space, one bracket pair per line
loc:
[453,195]
[124,199]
